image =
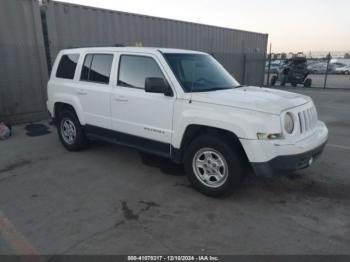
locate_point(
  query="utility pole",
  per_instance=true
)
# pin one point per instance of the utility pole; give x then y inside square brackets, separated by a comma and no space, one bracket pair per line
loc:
[329,57]
[268,71]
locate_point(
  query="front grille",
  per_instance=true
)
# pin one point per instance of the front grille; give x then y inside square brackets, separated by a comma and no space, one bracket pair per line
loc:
[307,119]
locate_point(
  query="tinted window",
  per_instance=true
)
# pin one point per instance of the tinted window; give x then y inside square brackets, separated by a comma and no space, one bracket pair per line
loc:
[67,66]
[97,68]
[133,70]
[86,68]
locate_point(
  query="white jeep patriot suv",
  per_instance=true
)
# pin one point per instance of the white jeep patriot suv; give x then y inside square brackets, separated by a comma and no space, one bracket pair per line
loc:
[185,106]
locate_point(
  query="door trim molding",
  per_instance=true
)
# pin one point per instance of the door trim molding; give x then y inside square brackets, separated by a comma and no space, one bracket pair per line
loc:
[139,143]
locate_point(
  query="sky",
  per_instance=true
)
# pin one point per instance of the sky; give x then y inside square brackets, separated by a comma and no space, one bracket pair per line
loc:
[292,25]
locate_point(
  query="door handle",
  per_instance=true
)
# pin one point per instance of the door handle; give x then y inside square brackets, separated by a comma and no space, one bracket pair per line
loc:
[121,99]
[81,92]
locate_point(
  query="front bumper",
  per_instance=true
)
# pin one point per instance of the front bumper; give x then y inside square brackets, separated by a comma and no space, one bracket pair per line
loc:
[287,164]
[271,157]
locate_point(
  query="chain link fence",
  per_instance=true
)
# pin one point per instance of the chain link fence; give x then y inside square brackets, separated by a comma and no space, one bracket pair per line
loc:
[247,68]
[326,72]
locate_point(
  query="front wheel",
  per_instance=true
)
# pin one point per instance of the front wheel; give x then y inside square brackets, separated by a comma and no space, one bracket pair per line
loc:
[213,166]
[70,131]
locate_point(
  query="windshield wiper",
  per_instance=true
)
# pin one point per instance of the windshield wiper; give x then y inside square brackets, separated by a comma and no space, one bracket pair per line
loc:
[211,89]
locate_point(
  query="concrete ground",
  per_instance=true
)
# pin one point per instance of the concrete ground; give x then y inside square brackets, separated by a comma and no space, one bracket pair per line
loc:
[112,200]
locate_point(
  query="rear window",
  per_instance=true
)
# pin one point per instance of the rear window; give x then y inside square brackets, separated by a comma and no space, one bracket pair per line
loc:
[67,66]
[97,68]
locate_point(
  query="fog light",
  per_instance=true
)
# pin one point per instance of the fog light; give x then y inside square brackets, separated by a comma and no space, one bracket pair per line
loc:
[264,136]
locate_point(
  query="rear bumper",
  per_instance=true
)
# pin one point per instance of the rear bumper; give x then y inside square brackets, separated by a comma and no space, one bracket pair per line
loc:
[286,164]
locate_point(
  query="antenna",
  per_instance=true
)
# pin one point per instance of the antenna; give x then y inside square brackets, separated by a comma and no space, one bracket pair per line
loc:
[192,84]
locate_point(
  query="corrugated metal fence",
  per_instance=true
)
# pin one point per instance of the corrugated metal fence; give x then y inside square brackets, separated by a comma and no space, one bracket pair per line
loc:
[22,49]
[242,53]
[23,68]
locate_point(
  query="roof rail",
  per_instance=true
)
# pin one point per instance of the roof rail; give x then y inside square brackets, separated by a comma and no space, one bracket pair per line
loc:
[115,45]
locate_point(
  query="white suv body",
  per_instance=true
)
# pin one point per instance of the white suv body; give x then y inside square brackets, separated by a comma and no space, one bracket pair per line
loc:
[104,88]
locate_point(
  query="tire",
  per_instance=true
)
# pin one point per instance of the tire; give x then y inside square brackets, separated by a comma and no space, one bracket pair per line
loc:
[308,82]
[70,131]
[346,72]
[273,80]
[294,84]
[283,80]
[210,153]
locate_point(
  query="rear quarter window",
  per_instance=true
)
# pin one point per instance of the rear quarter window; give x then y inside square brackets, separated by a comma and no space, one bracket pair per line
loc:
[67,66]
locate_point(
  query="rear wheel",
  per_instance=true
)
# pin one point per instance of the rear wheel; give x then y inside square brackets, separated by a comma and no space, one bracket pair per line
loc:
[213,166]
[273,80]
[70,131]
[308,82]
[346,72]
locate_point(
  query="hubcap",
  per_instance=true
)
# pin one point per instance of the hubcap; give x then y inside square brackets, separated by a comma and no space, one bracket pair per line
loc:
[68,131]
[210,167]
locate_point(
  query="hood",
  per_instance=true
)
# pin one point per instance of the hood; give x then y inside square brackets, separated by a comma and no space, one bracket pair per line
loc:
[266,100]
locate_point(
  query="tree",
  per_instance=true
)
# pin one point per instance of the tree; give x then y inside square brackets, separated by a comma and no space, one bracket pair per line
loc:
[347,56]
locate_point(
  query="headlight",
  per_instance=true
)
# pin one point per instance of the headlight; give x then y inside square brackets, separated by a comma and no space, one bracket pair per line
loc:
[288,123]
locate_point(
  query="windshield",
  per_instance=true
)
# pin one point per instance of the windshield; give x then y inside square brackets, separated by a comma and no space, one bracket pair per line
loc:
[200,72]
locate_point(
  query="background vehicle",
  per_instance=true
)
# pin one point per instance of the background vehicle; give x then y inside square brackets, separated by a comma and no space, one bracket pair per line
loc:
[321,67]
[274,66]
[317,68]
[344,70]
[294,71]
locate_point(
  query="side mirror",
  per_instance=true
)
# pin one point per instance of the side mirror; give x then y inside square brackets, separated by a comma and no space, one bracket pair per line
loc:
[158,85]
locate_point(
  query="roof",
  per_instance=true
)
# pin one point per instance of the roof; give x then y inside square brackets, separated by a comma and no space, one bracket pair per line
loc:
[131,49]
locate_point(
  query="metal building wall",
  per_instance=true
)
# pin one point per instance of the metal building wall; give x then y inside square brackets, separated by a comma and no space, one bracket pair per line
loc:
[71,25]
[23,69]
[23,65]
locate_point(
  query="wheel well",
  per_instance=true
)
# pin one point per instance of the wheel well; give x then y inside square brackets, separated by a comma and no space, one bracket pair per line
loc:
[194,131]
[59,107]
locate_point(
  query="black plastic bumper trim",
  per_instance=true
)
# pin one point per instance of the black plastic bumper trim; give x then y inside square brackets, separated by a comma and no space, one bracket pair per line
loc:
[287,164]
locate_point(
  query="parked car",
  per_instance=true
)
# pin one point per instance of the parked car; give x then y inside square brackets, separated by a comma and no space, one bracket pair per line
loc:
[334,66]
[294,71]
[317,68]
[321,67]
[344,70]
[182,105]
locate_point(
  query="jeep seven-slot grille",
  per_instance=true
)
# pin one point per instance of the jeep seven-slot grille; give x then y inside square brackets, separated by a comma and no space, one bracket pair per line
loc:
[307,119]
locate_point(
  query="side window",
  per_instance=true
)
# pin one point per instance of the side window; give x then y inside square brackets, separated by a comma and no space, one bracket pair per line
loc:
[97,68]
[67,66]
[86,68]
[133,70]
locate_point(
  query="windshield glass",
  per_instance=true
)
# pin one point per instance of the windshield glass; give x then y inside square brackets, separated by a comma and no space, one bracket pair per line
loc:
[200,72]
